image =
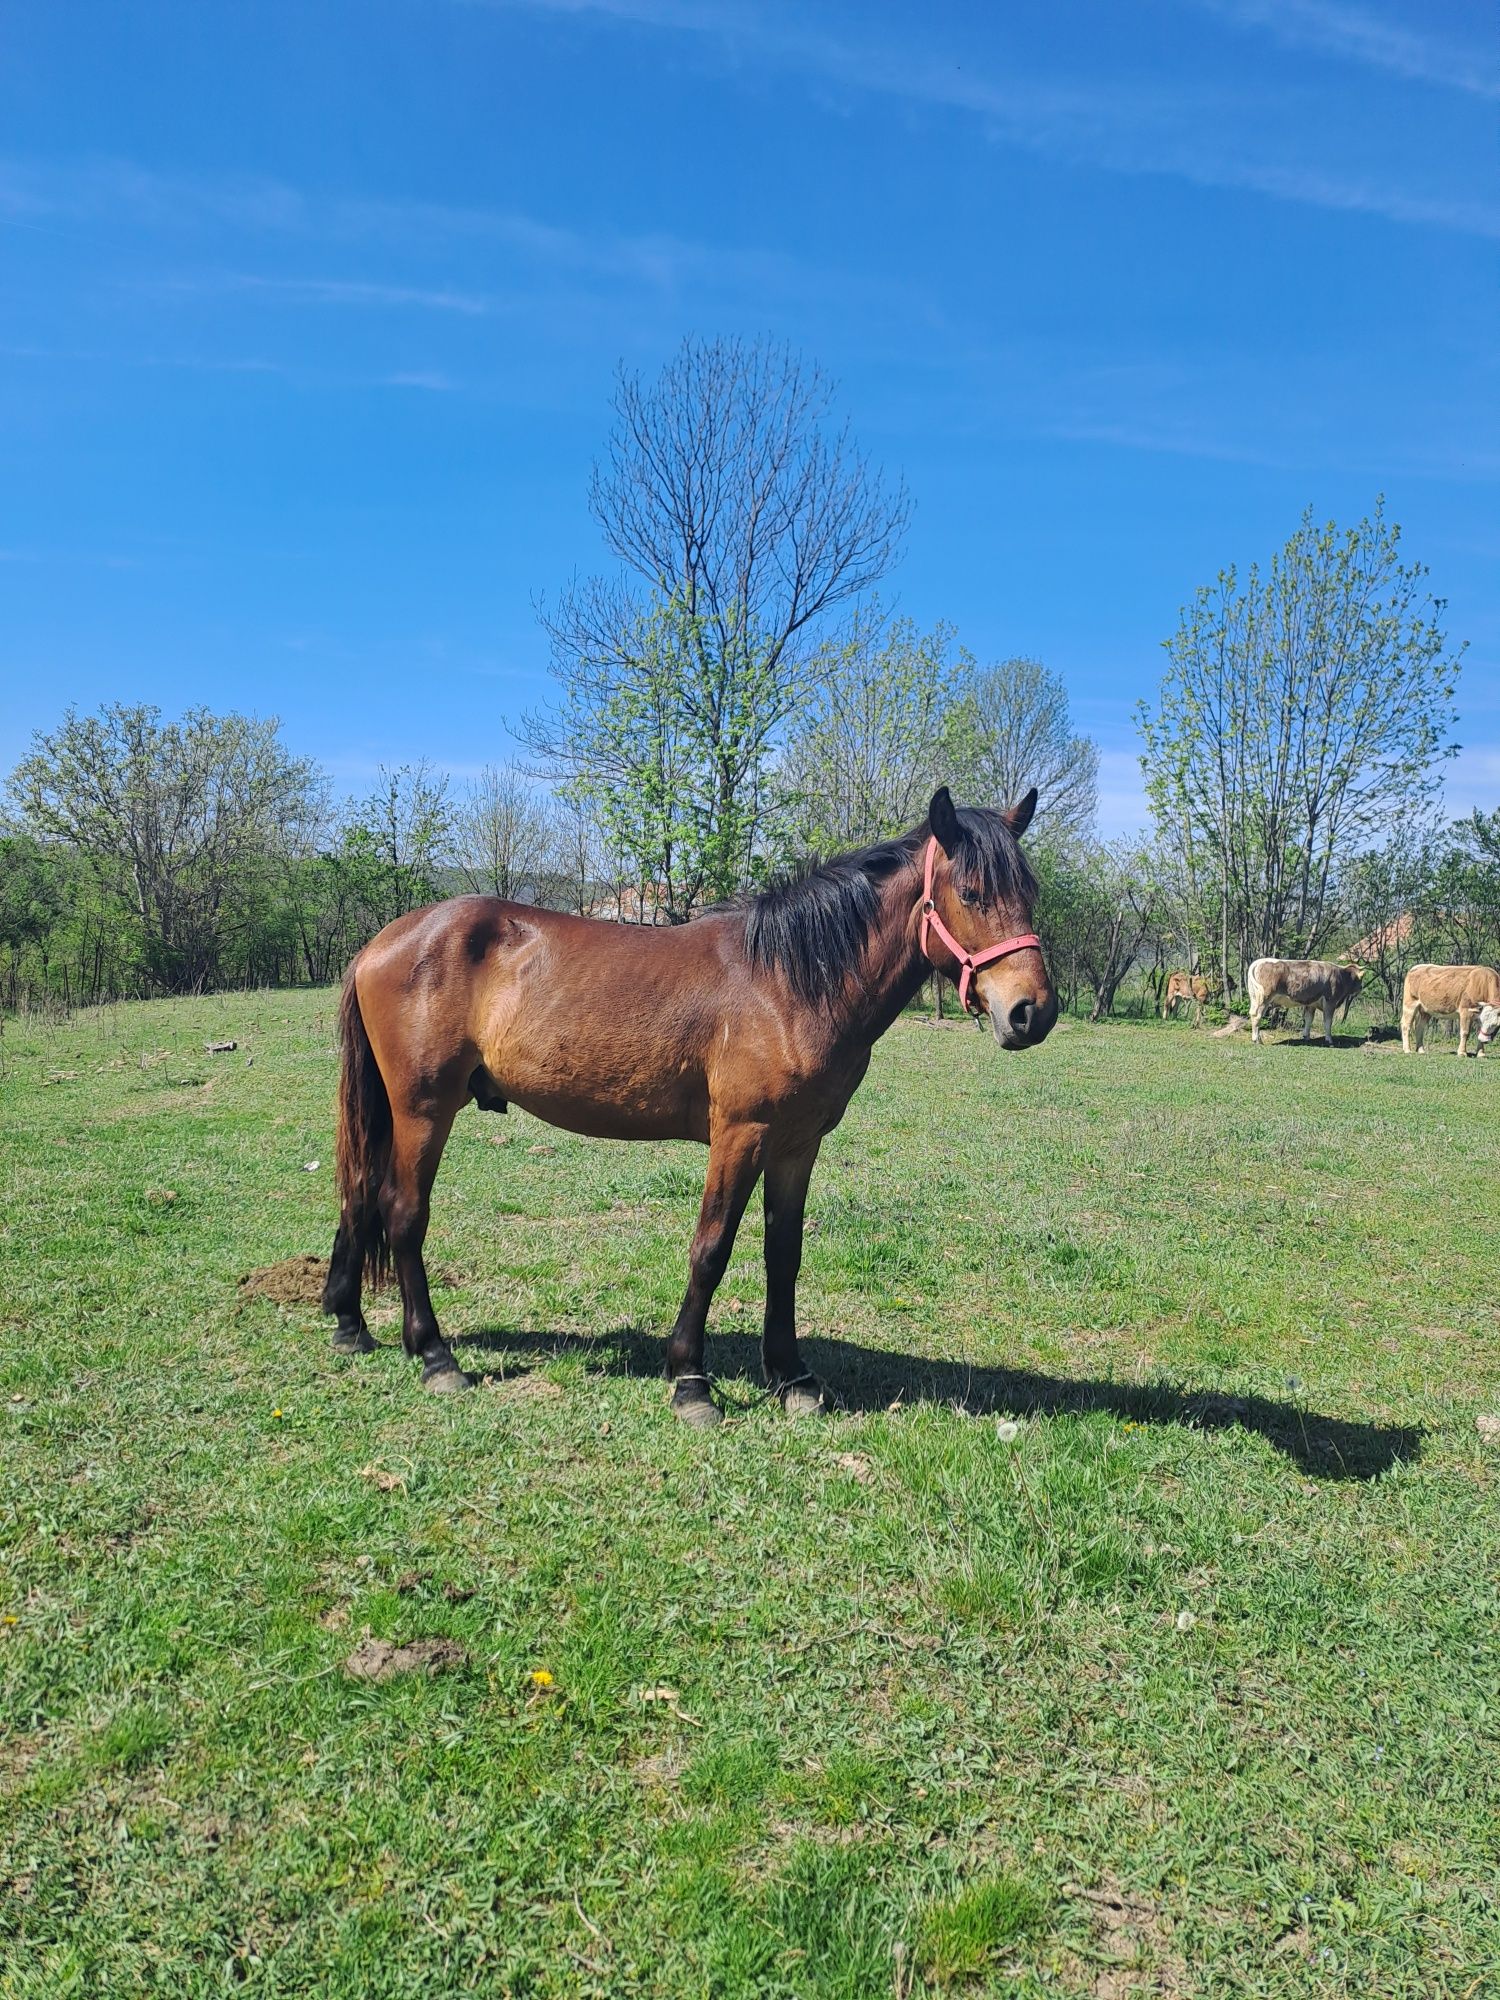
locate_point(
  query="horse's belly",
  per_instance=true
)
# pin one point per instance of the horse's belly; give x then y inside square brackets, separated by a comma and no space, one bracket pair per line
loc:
[600,1116]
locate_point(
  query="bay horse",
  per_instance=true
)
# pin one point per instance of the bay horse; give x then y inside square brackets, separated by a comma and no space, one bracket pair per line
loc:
[748,1030]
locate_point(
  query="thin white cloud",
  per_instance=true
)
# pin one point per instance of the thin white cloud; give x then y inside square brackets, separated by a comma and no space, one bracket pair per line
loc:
[74,192]
[1177,439]
[1127,127]
[334,292]
[1354,34]
[1181,437]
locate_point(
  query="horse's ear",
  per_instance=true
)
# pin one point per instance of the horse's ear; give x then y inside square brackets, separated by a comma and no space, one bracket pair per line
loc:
[1019,816]
[942,817]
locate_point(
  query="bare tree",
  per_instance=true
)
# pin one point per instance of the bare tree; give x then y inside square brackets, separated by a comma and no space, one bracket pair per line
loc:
[740,516]
[725,486]
[1015,731]
[1124,905]
[504,833]
[580,875]
[872,739]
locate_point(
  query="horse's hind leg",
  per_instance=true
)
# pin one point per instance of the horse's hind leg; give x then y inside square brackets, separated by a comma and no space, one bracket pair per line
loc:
[417,1142]
[734,1157]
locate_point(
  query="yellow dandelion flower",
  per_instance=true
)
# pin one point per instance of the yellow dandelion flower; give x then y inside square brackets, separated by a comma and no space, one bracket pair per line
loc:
[540,1678]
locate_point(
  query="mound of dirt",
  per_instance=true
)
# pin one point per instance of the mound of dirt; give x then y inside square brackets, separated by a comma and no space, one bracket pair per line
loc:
[295,1281]
[378,1659]
[299,1281]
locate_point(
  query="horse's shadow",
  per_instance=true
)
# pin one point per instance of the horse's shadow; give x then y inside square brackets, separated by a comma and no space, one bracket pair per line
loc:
[865,1379]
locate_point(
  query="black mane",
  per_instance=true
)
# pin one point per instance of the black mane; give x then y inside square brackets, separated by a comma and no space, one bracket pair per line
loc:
[814,924]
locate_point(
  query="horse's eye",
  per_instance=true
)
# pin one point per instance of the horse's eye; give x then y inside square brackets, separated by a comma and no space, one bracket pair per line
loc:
[968,896]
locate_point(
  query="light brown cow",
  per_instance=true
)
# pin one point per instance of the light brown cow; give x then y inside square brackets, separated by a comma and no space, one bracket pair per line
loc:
[1305,982]
[1472,992]
[1187,986]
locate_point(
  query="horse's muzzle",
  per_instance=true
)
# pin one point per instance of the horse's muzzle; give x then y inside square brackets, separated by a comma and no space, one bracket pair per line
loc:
[1025,1022]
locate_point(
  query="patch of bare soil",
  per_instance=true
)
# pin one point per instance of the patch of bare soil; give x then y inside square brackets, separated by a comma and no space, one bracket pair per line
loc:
[1133,1940]
[522,1388]
[379,1660]
[660,1770]
[299,1281]
[295,1281]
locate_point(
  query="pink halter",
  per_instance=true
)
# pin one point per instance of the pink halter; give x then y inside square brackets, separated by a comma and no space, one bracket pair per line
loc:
[968,962]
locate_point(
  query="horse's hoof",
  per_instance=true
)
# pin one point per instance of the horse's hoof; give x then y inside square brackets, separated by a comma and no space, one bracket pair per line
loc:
[807,1398]
[446,1379]
[359,1340]
[692,1405]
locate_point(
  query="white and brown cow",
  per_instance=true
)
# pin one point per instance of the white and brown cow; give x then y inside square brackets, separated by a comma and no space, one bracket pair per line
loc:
[1472,992]
[1304,982]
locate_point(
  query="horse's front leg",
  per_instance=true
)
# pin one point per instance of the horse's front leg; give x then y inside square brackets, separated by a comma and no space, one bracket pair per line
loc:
[787,1176]
[734,1160]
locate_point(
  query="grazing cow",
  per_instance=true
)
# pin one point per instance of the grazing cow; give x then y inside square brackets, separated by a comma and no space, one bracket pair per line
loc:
[1433,991]
[1305,982]
[1187,986]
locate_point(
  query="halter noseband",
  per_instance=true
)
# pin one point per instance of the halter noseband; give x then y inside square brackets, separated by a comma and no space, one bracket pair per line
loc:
[969,962]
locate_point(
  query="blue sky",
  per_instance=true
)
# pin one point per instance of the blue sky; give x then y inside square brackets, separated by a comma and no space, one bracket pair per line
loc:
[309,315]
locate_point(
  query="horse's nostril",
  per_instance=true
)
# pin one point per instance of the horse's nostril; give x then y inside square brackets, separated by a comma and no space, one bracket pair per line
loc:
[1023,1017]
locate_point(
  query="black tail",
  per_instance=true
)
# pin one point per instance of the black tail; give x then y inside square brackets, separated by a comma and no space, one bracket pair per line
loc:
[362,1150]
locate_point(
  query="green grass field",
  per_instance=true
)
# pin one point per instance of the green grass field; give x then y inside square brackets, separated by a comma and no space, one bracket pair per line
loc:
[1135,1631]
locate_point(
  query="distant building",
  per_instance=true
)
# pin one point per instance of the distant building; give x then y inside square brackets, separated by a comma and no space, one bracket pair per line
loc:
[1384,938]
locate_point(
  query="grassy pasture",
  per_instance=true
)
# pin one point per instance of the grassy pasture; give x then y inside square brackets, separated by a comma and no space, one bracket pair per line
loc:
[1190,1685]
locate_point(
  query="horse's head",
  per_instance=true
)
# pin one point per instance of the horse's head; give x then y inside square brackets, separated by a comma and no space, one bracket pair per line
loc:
[977,899]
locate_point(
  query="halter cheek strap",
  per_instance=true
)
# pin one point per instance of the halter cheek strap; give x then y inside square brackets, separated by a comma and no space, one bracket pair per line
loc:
[969,962]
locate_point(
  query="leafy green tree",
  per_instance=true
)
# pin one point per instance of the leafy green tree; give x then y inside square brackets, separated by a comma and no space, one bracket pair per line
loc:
[167,816]
[1302,710]
[672,755]
[1386,896]
[397,842]
[33,896]
[1466,891]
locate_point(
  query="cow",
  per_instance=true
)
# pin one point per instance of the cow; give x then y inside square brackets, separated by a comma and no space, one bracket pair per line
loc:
[1305,982]
[1186,986]
[1472,992]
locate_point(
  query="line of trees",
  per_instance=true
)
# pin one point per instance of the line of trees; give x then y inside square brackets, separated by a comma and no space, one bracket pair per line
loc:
[145,855]
[734,693]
